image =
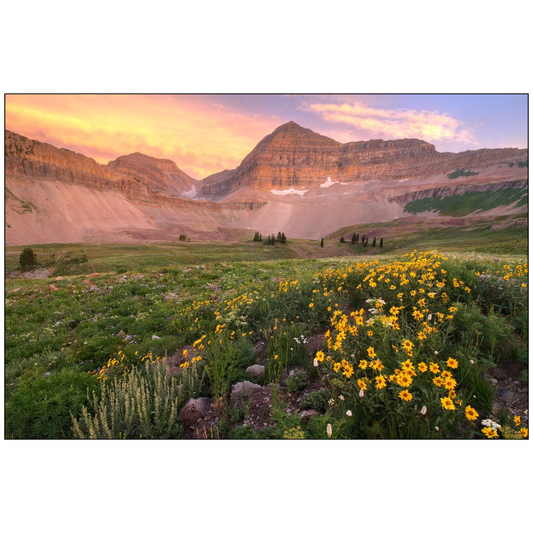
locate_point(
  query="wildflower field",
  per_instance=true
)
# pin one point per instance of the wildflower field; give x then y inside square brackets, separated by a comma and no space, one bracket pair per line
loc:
[382,347]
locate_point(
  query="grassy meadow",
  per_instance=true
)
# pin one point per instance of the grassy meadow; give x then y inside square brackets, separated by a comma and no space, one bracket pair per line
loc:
[354,342]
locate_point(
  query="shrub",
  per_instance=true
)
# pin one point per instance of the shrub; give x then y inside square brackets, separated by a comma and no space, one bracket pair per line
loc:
[142,404]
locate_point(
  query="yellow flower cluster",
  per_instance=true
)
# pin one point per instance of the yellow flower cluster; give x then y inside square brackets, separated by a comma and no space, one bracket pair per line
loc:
[508,272]
[116,364]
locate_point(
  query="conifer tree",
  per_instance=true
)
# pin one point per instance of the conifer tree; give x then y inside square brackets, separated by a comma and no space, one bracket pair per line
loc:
[353,238]
[357,238]
[342,239]
[381,242]
[374,243]
[27,259]
[322,242]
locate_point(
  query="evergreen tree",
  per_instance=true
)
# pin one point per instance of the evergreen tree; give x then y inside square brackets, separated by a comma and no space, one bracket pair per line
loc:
[279,236]
[365,242]
[381,242]
[374,243]
[322,242]
[357,238]
[27,259]
[342,239]
[353,238]
[283,238]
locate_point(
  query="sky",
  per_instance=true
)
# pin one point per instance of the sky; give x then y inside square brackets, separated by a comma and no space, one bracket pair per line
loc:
[204,134]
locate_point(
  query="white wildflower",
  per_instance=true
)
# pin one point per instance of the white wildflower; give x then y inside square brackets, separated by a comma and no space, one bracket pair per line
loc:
[348,413]
[430,316]
[341,397]
[361,393]
[424,410]
[329,430]
[331,401]
[315,362]
[436,428]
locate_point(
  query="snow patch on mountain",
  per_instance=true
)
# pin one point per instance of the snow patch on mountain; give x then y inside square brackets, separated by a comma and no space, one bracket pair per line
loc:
[329,183]
[191,193]
[288,191]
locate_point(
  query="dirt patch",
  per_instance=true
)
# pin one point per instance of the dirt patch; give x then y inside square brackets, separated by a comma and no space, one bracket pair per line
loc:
[511,390]
[38,273]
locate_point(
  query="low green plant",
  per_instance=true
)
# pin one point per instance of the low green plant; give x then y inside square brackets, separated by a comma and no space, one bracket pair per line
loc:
[298,381]
[317,400]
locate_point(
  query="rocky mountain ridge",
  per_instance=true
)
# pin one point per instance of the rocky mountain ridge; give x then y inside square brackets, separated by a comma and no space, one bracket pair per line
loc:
[293,156]
[56,195]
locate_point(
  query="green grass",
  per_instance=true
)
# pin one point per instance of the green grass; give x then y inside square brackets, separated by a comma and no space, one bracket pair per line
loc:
[462,174]
[467,203]
[142,258]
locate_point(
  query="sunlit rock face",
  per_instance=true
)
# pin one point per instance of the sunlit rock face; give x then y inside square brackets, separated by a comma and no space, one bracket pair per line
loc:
[293,156]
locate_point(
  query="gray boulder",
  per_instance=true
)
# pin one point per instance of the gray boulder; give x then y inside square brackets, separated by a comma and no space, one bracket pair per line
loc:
[194,409]
[255,370]
[243,389]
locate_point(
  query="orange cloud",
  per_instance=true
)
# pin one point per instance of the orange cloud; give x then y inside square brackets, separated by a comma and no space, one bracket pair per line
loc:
[393,123]
[199,135]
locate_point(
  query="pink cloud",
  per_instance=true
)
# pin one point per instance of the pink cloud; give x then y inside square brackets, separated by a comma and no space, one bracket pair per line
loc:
[392,123]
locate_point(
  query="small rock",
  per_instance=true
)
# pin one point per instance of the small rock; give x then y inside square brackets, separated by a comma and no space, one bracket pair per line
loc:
[508,397]
[47,374]
[291,373]
[53,288]
[155,337]
[170,296]
[243,388]
[307,415]
[193,410]
[255,370]
[59,278]
[498,373]
[494,381]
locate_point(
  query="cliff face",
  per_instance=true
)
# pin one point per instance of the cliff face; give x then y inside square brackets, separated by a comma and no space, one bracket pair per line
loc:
[295,156]
[28,158]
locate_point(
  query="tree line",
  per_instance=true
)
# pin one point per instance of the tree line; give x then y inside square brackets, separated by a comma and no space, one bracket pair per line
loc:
[355,240]
[271,240]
